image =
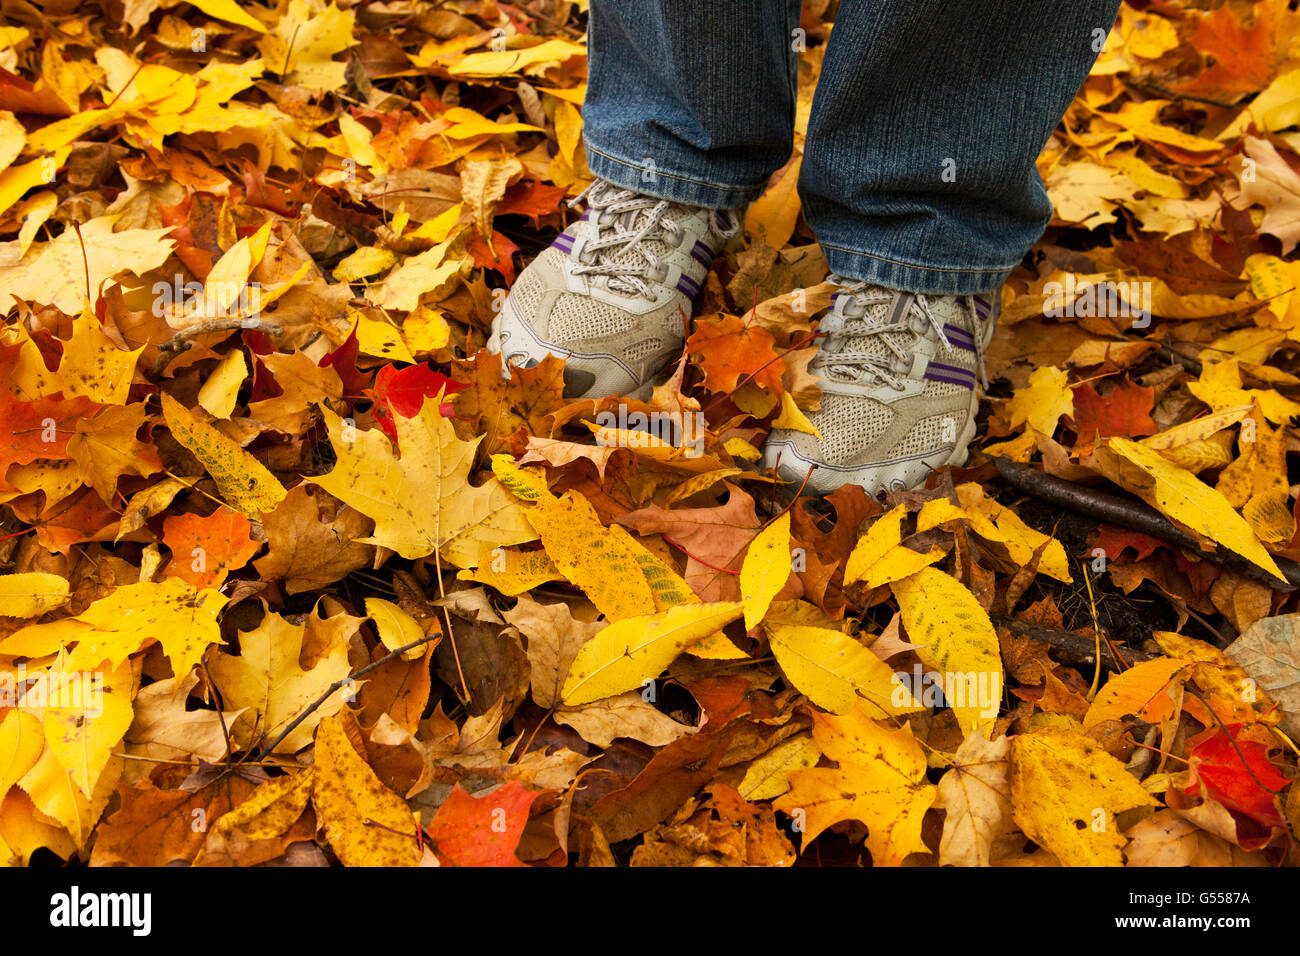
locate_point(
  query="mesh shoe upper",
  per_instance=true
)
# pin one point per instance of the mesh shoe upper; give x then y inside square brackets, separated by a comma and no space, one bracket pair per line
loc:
[613,292]
[898,374]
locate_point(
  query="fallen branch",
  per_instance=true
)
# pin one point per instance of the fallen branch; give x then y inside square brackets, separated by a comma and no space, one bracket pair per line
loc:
[1136,516]
[181,340]
[1075,648]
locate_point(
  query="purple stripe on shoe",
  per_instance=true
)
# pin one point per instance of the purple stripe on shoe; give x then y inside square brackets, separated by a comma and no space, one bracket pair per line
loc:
[959,337]
[563,243]
[702,254]
[936,377]
[953,370]
[982,306]
[688,287]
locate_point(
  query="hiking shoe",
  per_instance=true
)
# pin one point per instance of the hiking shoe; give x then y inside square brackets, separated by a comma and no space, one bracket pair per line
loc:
[612,296]
[898,384]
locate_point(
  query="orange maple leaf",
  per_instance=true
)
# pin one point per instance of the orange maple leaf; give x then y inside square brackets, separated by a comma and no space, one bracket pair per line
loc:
[206,549]
[732,351]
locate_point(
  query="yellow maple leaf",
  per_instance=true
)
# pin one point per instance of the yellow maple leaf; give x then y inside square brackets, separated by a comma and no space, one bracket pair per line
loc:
[1220,387]
[84,713]
[268,679]
[422,501]
[301,46]
[58,272]
[880,781]
[182,620]
[1043,401]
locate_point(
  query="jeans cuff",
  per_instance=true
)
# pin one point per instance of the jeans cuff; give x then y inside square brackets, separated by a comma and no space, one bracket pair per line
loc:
[645,177]
[910,277]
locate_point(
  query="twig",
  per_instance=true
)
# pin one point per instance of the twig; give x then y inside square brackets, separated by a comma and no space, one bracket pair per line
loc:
[1156,88]
[180,341]
[1076,648]
[1137,516]
[329,691]
[1186,361]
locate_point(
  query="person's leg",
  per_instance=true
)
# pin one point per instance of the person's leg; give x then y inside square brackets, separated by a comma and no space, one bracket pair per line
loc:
[918,172]
[689,109]
[918,179]
[690,101]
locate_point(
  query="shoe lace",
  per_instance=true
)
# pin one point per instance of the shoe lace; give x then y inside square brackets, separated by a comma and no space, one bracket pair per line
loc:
[626,222]
[842,327]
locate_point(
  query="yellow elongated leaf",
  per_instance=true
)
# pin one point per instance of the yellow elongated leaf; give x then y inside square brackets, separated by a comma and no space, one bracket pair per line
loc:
[1066,790]
[512,572]
[31,593]
[1185,498]
[879,557]
[244,482]
[22,738]
[766,776]
[668,588]
[765,570]
[396,627]
[350,800]
[958,639]
[585,552]
[229,11]
[629,652]
[885,533]
[833,669]
[219,392]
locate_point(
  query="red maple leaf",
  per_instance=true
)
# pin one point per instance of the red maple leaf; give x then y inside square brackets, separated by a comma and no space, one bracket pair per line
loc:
[344,361]
[1124,411]
[499,257]
[1244,785]
[481,831]
[39,430]
[1112,540]
[403,391]
[531,198]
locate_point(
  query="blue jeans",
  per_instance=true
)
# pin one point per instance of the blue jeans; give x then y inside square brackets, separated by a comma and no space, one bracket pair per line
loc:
[918,169]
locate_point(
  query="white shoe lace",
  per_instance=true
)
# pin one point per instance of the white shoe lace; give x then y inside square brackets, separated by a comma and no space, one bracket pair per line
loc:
[872,368]
[624,221]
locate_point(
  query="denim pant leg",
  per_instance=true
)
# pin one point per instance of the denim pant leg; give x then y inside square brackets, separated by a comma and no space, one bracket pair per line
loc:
[691,100]
[918,171]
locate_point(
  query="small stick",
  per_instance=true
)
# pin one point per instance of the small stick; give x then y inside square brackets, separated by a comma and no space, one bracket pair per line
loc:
[180,341]
[266,751]
[1076,648]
